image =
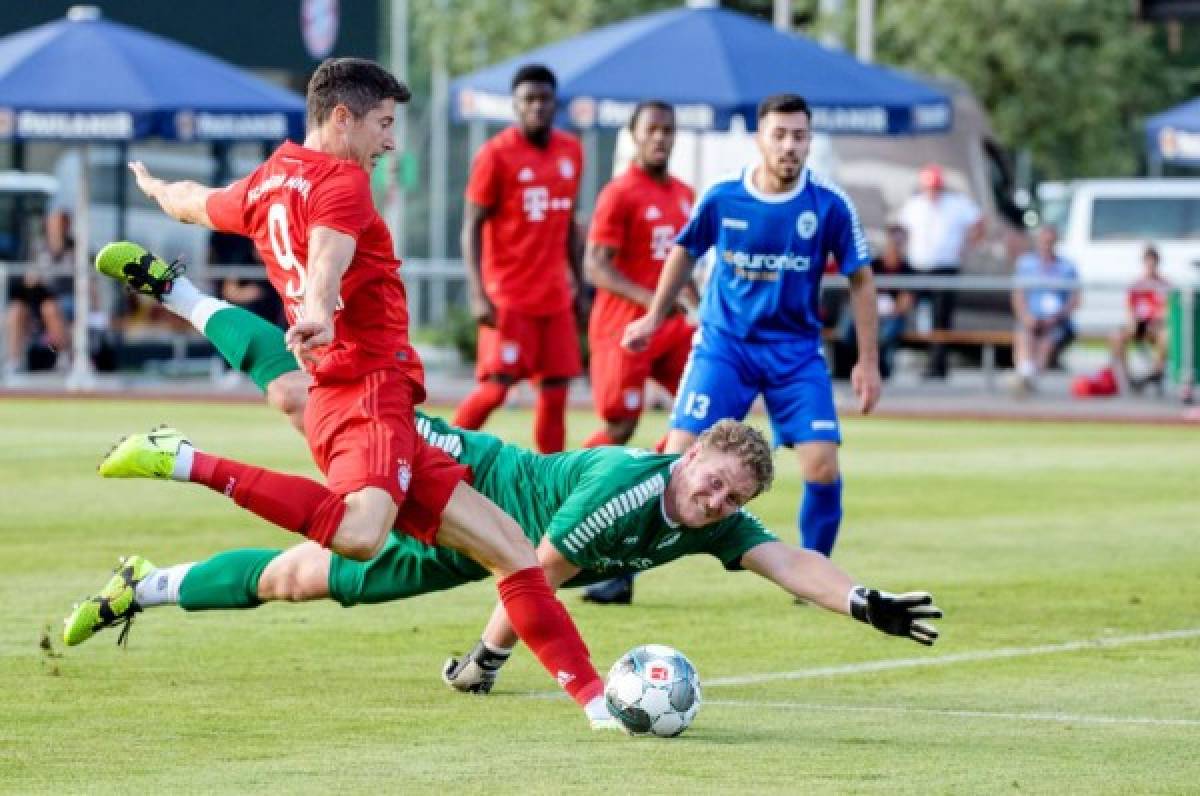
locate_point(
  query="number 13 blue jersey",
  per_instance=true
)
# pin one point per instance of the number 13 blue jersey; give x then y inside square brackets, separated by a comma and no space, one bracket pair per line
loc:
[770,252]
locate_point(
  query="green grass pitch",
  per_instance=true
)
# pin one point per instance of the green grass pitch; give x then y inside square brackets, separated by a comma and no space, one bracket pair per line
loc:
[1038,540]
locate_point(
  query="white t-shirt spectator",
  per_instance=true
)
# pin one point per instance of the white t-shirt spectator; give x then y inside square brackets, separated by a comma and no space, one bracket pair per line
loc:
[937,228]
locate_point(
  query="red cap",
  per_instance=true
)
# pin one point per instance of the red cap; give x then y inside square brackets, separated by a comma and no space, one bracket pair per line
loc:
[931,177]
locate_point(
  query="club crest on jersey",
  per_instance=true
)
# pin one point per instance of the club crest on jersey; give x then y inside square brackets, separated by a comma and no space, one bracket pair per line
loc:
[566,168]
[806,224]
[403,474]
[525,175]
[653,213]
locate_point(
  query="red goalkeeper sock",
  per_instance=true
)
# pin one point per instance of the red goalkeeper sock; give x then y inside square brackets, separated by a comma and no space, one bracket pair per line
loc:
[550,418]
[601,437]
[298,504]
[474,410]
[546,628]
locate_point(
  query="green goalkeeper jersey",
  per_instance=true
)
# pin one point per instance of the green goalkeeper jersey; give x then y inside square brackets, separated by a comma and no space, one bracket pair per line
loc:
[601,507]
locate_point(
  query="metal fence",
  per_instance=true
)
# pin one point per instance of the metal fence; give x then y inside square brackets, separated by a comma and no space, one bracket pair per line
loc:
[437,289]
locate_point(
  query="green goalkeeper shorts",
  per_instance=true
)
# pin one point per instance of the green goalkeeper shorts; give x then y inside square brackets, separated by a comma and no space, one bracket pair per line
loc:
[404,568]
[408,568]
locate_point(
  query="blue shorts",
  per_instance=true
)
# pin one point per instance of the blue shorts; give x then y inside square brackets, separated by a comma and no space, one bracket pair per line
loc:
[724,375]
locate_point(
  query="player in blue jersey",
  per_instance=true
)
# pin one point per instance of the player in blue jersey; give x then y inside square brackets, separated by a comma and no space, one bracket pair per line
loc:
[772,229]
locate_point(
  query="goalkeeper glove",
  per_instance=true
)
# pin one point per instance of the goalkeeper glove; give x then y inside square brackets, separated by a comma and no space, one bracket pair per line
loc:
[476,671]
[896,614]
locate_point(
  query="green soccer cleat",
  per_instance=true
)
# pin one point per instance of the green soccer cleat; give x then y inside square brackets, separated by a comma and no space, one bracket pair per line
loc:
[114,605]
[144,455]
[140,270]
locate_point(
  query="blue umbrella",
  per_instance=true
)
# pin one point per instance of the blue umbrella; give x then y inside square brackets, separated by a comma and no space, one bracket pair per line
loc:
[1173,136]
[85,78]
[712,65]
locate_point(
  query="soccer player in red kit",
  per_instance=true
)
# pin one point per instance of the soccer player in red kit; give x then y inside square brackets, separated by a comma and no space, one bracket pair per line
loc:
[523,254]
[634,225]
[329,254]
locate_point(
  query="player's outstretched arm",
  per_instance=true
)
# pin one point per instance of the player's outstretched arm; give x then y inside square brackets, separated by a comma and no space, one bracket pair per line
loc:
[812,576]
[599,266]
[676,273]
[865,376]
[184,200]
[476,672]
[330,253]
[471,239]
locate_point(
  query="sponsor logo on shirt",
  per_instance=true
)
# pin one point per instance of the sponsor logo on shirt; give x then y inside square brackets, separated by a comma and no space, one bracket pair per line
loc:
[806,224]
[670,540]
[525,175]
[662,237]
[735,223]
[536,202]
[764,267]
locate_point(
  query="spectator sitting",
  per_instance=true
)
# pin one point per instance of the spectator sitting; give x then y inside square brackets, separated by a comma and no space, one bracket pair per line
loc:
[35,326]
[1147,305]
[1044,326]
[893,303]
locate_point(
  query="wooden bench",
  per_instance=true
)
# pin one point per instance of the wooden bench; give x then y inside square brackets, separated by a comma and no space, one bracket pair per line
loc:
[988,340]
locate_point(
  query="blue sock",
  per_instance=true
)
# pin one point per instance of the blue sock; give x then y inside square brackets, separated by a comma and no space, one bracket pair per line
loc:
[821,516]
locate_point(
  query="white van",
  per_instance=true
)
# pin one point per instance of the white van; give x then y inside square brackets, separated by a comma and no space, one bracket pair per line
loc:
[1104,226]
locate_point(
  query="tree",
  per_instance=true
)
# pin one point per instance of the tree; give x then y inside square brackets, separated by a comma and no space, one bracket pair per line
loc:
[1069,80]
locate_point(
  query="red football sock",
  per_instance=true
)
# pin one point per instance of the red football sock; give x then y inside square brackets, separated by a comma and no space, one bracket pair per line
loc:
[550,418]
[601,437]
[474,410]
[546,628]
[293,502]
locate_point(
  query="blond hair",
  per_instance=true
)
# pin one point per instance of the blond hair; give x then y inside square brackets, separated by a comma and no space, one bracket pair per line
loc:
[746,443]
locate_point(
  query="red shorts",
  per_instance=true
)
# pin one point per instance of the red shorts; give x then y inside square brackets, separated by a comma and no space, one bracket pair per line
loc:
[364,434]
[529,346]
[619,376]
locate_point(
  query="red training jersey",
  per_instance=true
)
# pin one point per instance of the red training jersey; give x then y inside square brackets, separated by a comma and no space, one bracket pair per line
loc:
[277,205]
[1148,299]
[531,194]
[638,216]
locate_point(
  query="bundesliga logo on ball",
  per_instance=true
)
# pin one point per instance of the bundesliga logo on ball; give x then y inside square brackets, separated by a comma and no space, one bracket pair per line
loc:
[653,690]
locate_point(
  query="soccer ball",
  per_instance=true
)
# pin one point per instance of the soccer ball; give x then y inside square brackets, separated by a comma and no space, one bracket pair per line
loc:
[653,690]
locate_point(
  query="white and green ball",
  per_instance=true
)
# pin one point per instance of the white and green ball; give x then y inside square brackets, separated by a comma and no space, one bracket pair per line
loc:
[653,690]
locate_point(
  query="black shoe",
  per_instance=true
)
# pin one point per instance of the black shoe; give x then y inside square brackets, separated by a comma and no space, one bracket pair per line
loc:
[1154,380]
[618,591]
